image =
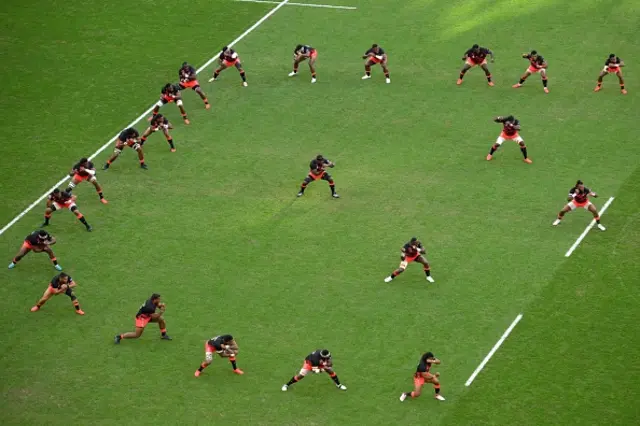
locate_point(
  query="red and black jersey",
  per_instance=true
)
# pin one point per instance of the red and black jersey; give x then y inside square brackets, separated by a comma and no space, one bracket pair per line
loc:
[147,309]
[580,195]
[412,248]
[372,51]
[218,341]
[187,73]
[477,55]
[158,122]
[317,166]
[304,50]
[85,165]
[35,240]
[423,367]
[316,360]
[613,62]
[60,197]
[170,91]
[536,61]
[55,281]
[510,125]
[229,55]
[128,134]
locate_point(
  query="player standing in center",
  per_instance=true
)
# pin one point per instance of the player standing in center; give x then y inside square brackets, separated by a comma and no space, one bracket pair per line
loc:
[168,94]
[146,314]
[412,251]
[63,200]
[225,346]
[422,376]
[85,170]
[128,137]
[579,198]
[229,58]
[189,80]
[510,128]
[476,56]
[375,55]
[159,122]
[537,64]
[37,241]
[303,52]
[316,172]
[612,66]
[318,362]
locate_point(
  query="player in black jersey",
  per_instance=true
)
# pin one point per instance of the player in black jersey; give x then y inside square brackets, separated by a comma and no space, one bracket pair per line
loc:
[189,80]
[410,252]
[131,138]
[537,64]
[85,170]
[423,375]
[146,314]
[229,58]
[612,65]
[168,94]
[59,200]
[59,284]
[375,55]
[159,122]
[318,362]
[225,346]
[37,241]
[301,53]
[317,171]
[579,199]
[476,56]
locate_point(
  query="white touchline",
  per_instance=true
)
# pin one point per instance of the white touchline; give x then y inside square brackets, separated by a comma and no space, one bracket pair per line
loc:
[143,115]
[326,6]
[588,228]
[493,350]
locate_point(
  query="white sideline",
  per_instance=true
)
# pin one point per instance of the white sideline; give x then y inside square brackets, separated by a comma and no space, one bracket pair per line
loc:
[493,350]
[142,116]
[326,6]
[587,229]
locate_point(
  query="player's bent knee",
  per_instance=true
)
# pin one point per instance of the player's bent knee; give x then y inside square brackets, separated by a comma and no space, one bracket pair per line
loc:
[179,102]
[208,357]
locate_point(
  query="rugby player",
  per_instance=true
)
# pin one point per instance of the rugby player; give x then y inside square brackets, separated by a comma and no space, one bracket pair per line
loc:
[612,65]
[510,128]
[59,284]
[375,55]
[476,56]
[229,58]
[128,137]
[412,251]
[579,198]
[537,64]
[85,170]
[146,314]
[317,171]
[37,241]
[170,93]
[58,200]
[159,122]
[318,362]
[423,375]
[301,53]
[189,80]
[225,346]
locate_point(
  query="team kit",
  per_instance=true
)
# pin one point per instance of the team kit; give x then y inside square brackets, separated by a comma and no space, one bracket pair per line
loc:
[225,346]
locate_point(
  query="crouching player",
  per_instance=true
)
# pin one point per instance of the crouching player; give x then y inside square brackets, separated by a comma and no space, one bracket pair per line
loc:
[476,56]
[303,52]
[128,137]
[225,346]
[318,362]
[159,122]
[510,129]
[412,251]
[189,80]
[537,64]
[422,376]
[612,66]
[229,58]
[317,171]
[579,198]
[373,56]
[85,170]
[61,283]
[38,241]
[168,94]
[146,314]
[63,200]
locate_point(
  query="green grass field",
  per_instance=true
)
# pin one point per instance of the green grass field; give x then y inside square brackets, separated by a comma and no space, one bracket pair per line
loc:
[216,227]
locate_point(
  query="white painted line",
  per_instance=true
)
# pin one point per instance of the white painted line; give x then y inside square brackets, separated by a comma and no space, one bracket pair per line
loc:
[142,116]
[588,228]
[326,6]
[493,350]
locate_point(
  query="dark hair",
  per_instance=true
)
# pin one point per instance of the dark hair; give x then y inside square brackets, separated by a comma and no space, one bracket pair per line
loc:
[534,52]
[184,64]
[155,296]
[579,182]
[414,239]
[475,46]
[324,353]
[56,191]
[224,49]
[427,355]
[83,160]
[42,233]
[374,46]
[612,55]
[298,47]
[319,157]
[510,118]
[63,275]
[229,338]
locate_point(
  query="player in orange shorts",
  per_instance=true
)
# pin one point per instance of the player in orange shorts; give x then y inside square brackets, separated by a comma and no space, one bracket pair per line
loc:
[63,200]
[301,53]
[510,129]
[317,362]
[61,283]
[612,66]
[410,252]
[579,199]
[229,58]
[423,375]
[131,138]
[189,80]
[476,56]
[317,171]
[225,346]
[375,55]
[159,122]
[37,241]
[170,93]
[537,64]
[85,170]
[146,314]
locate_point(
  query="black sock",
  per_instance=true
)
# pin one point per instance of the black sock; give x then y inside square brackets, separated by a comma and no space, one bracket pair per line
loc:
[170,142]
[335,379]
[622,87]
[333,189]
[521,81]
[493,149]
[544,82]
[46,220]
[386,74]
[84,221]
[233,364]
[164,333]
[54,261]
[524,151]
[302,188]
[292,381]
[216,74]
[100,195]
[427,272]
[437,391]
[77,307]
[489,78]
[244,77]
[462,74]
